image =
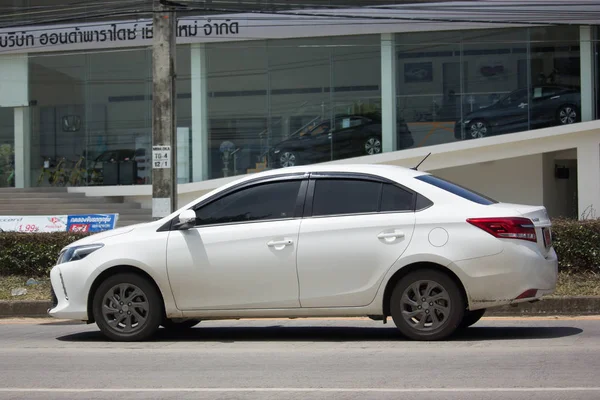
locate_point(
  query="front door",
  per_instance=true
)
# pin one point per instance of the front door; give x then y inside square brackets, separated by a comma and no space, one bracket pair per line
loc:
[242,252]
[355,232]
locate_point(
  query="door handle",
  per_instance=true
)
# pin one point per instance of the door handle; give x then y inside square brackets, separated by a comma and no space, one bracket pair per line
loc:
[554,97]
[391,235]
[280,243]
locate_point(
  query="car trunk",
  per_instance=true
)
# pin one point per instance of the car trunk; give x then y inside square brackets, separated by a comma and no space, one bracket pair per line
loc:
[539,216]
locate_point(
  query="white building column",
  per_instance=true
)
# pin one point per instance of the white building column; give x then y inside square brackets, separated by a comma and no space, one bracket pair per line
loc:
[388,91]
[199,113]
[586,46]
[588,179]
[22,147]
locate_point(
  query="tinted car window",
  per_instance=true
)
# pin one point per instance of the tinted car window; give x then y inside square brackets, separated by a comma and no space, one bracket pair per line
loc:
[345,196]
[456,189]
[395,199]
[263,202]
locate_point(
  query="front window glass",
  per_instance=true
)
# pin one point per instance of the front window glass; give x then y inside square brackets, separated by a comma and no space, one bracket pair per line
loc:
[257,203]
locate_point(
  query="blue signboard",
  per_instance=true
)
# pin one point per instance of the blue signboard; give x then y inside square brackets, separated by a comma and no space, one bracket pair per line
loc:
[91,222]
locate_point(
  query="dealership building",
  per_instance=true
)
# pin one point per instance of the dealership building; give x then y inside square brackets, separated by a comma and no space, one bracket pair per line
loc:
[504,97]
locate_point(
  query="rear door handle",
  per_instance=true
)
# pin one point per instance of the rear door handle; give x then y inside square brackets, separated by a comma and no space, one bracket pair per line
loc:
[391,235]
[280,243]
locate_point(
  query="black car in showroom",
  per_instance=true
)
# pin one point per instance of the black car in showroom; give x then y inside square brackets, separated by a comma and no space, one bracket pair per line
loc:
[350,136]
[550,106]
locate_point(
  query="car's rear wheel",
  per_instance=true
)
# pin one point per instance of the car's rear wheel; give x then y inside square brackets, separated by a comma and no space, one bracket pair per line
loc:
[478,128]
[288,159]
[179,324]
[471,318]
[567,114]
[373,146]
[427,305]
[127,307]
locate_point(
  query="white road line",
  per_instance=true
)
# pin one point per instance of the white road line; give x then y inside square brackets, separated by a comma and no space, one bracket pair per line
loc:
[288,390]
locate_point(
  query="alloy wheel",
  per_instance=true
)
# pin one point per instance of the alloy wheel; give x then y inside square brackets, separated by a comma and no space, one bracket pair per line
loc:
[287,159]
[373,146]
[567,115]
[425,305]
[125,308]
[478,130]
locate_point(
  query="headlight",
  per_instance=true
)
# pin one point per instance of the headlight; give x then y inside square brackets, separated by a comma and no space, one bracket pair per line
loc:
[277,151]
[466,122]
[78,253]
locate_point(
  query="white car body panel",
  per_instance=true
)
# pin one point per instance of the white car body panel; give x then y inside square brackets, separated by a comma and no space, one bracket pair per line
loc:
[334,265]
[341,259]
[206,274]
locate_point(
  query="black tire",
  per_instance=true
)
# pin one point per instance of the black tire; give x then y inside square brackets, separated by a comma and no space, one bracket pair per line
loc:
[567,114]
[420,325]
[477,128]
[288,158]
[127,323]
[182,325]
[471,318]
[372,145]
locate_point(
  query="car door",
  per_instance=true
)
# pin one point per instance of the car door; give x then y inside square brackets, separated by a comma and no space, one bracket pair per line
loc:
[354,230]
[512,112]
[242,252]
[546,101]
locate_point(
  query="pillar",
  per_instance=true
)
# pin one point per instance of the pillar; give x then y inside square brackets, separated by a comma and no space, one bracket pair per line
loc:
[22,147]
[388,91]
[199,113]
[586,46]
[588,179]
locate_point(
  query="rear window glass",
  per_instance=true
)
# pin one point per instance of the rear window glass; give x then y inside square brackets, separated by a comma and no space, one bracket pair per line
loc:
[457,190]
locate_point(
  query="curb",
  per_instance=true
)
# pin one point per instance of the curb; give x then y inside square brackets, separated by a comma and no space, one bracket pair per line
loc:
[20,308]
[568,305]
[548,306]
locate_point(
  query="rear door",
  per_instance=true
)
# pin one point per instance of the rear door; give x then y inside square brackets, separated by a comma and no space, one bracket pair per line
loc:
[354,229]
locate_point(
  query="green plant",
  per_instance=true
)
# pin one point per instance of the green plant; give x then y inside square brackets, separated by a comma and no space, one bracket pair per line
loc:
[577,244]
[32,254]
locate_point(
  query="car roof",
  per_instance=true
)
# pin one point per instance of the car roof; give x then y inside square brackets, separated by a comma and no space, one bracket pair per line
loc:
[388,171]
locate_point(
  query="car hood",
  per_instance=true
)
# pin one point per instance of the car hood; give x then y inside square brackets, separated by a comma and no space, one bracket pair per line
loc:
[101,236]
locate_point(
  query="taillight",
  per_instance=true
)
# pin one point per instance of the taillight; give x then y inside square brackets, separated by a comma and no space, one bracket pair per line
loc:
[507,228]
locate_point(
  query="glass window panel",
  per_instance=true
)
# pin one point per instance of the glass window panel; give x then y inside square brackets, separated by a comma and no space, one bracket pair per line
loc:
[257,203]
[345,196]
[7,147]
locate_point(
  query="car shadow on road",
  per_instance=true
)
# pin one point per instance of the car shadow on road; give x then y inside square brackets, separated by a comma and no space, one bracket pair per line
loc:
[332,334]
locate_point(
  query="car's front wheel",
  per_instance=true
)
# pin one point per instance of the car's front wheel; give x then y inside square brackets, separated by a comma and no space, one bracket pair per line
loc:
[478,128]
[427,305]
[288,159]
[127,307]
[179,325]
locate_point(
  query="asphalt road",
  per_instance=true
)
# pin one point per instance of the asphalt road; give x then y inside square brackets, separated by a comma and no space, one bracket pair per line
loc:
[497,359]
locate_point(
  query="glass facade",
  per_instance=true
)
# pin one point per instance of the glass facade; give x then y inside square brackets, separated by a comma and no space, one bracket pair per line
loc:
[290,102]
[91,116]
[7,151]
[281,102]
[470,84]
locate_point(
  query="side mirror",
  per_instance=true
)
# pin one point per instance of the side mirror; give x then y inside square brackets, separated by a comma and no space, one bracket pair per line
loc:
[187,220]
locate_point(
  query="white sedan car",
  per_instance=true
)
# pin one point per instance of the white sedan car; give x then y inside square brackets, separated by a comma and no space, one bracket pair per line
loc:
[315,241]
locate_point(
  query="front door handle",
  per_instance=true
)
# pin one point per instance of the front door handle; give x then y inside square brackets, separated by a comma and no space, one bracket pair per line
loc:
[391,235]
[280,243]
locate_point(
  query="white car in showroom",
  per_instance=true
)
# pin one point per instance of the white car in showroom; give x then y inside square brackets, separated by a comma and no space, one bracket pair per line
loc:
[315,241]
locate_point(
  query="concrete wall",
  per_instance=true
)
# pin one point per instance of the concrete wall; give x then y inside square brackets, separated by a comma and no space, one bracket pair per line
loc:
[513,180]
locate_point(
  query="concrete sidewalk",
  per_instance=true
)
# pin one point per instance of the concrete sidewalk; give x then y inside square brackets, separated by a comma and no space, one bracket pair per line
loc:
[548,306]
